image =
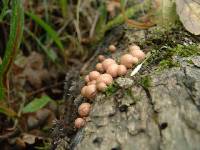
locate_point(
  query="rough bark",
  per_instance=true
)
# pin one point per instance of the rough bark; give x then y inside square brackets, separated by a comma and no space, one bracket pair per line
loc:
[165,115]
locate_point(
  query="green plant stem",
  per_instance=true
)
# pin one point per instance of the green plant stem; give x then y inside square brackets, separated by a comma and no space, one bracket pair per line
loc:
[64,7]
[50,31]
[129,13]
[14,40]
[4,11]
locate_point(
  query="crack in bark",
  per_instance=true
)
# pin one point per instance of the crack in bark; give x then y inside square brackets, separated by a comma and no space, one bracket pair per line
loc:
[154,113]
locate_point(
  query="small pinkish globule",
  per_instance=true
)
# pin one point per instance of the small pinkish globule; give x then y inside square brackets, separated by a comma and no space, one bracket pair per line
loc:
[90,91]
[106,78]
[87,79]
[122,70]
[84,109]
[128,60]
[112,70]
[112,48]
[101,58]
[93,75]
[107,62]
[101,86]
[79,123]
[99,67]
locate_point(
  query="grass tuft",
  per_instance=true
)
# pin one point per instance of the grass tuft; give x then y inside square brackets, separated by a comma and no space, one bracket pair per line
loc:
[14,40]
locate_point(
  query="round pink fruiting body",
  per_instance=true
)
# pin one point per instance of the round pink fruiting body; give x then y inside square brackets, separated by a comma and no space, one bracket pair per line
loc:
[79,123]
[101,86]
[112,48]
[101,58]
[107,62]
[138,54]
[134,47]
[122,70]
[84,109]
[93,75]
[87,78]
[106,78]
[83,91]
[90,91]
[128,60]
[92,82]
[112,70]
[99,67]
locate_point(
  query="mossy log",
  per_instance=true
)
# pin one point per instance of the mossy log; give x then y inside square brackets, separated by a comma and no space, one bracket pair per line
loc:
[159,108]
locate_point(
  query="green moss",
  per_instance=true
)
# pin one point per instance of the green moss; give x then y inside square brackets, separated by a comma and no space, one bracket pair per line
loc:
[111,89]
[166,44]
[163,57]
[145,81]
[190,62]
[128,92]
[179,50]
[166,64]
[185,51]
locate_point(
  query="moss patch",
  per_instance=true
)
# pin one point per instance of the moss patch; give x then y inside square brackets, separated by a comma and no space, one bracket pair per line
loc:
[145,81]
[179,50]
[185,51]
[128,92]
[163,45]
[166,64]
[111,89]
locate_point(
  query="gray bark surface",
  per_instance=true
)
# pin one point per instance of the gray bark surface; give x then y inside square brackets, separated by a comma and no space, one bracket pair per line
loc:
[166,116]
[162,116]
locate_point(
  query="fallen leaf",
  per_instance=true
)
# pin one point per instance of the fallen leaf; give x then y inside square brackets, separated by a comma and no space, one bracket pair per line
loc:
[34,70]
[29,138]
[189,13]
[36,104]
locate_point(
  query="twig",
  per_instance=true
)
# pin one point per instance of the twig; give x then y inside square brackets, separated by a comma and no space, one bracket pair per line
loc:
[44,88]
[9,134]
[89,61]
[130,12]
[94,25]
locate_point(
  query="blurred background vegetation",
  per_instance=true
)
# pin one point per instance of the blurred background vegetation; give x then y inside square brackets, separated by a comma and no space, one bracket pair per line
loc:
[40,41]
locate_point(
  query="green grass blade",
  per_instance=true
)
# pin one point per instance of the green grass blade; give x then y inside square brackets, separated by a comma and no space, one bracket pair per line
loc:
[130,12]
[4,10]
[14,40]
[64,7]
[49,52]
[102,18]
[36,104]
[50,31]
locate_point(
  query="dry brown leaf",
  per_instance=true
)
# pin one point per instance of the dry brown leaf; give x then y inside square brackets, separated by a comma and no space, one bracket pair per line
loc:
[30,138]
[34,70]
[189,13]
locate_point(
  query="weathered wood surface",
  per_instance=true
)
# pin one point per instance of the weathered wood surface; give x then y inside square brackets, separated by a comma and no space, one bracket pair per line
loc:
[165,116]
